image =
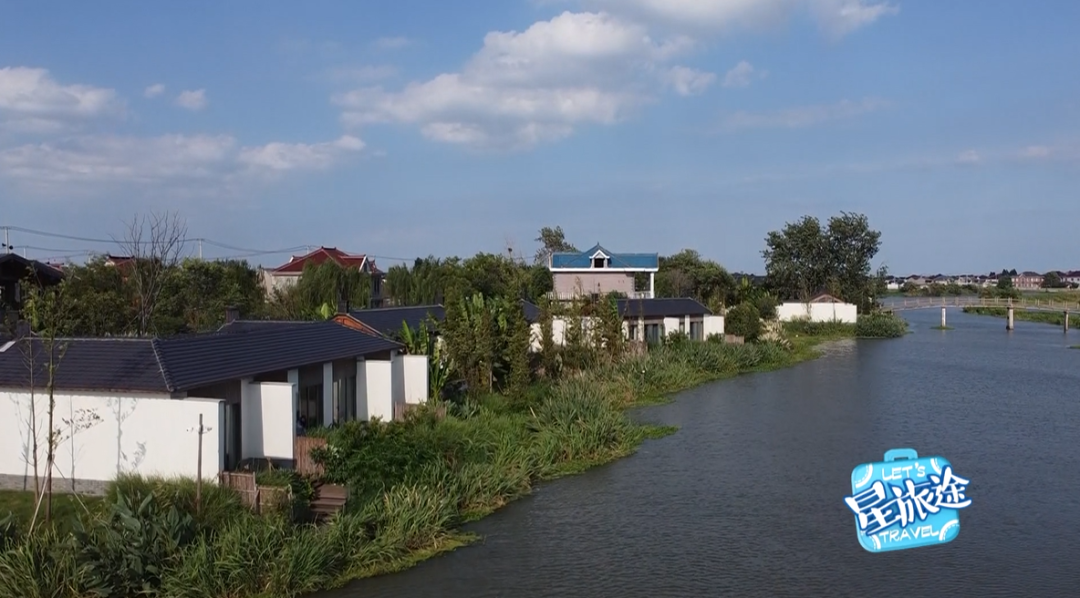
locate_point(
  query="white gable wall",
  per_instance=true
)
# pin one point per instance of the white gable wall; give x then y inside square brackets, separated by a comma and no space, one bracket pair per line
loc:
[818,312]
[112,433]
[268,420]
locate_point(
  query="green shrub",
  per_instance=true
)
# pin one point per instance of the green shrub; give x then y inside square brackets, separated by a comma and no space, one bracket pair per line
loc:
[766,306]
[743,320]
[804,327]
[880,325]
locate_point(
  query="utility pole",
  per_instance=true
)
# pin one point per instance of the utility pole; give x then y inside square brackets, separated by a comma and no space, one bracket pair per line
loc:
[7,240]
[200,249]
[198,476]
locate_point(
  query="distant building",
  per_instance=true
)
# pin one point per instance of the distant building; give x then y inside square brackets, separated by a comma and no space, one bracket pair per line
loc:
[597,271]
[287,274]
[1027,281]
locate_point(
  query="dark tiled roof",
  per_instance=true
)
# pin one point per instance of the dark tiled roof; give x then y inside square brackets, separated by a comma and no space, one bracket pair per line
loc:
[186,362]
[388,320]
[13,262]
[661,308]
[257,325]
[100,364]
[532,311]
[205,359]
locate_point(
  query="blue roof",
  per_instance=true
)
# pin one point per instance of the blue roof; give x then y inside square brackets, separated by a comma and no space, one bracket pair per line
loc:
[583,259]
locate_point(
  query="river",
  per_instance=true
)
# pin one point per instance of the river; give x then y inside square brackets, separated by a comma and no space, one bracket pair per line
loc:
[747,498]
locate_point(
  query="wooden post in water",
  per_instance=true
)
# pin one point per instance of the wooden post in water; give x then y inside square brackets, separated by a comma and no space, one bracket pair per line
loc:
[1066,320]
[942,316]
[1009,321]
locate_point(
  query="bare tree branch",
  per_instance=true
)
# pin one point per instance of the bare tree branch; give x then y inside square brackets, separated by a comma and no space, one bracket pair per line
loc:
[155,243]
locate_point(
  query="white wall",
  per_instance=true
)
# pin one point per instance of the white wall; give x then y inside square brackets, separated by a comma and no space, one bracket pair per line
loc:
[378,384]
[268,420]
[113,433]
[713,325]
[558,332]
[671,325]
[415,378]
[818,312]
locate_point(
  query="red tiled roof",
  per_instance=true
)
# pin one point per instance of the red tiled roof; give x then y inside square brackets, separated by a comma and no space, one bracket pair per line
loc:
[296,264]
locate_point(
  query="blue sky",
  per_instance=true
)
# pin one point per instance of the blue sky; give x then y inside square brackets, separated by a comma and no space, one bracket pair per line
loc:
[423,127]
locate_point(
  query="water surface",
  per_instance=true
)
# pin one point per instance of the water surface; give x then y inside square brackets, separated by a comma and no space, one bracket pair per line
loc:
[746,499]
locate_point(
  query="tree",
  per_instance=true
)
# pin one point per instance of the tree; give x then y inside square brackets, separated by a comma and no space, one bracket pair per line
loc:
[1005,282]
[803,259]
[155,243]
[551,240]
[317,293]
[548,349]
[517,352]
[1052,280]
[686,274]
[47,311]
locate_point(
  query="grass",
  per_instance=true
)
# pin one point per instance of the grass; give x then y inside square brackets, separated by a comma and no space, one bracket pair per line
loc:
[412,486]
[1041,317]
[66,508]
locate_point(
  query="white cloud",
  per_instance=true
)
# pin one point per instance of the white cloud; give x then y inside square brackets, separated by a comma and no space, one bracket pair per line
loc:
[299,156]
[32,101]
[687,81]
[1036,151]
[392,43]
[97,159]
[742,74]
[968,157]
[804,116]
[154,90]
[834,17]
[168,161]
[192,100]
[523,88]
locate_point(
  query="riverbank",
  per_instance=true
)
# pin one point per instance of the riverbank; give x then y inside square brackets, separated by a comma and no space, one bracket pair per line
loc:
[1041,317]
[413,485]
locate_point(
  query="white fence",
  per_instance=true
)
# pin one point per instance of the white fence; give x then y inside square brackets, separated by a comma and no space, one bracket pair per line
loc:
[102,435]
[818,312]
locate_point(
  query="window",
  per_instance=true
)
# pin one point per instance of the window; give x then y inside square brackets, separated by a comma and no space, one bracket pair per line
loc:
[599,262]
[345,399]
[682,325]
[311,405]
[631,331]
[697,331]
[653,332]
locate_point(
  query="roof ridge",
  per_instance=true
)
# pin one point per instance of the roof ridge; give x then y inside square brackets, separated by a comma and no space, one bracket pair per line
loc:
[161,366]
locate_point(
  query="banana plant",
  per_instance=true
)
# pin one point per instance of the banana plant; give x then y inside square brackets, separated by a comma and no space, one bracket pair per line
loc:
[421,341]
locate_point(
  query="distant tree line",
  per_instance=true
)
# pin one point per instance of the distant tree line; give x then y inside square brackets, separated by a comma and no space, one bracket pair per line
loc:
[159,292]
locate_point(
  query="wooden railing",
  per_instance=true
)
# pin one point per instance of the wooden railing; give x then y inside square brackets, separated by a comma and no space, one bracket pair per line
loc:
[1023,303]
[256,497]
[302,449]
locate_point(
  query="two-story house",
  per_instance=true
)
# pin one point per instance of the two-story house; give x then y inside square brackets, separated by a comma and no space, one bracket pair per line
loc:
[598,271]
[288,273]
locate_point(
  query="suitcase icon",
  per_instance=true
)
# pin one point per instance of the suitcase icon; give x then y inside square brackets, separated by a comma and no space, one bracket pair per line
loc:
[905,501]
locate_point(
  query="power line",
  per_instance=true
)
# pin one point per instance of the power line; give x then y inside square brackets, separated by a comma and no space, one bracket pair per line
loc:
[246,251]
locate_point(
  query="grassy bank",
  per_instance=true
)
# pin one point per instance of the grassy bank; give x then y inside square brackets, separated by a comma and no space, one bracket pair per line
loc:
[413,484]
[1041,317]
